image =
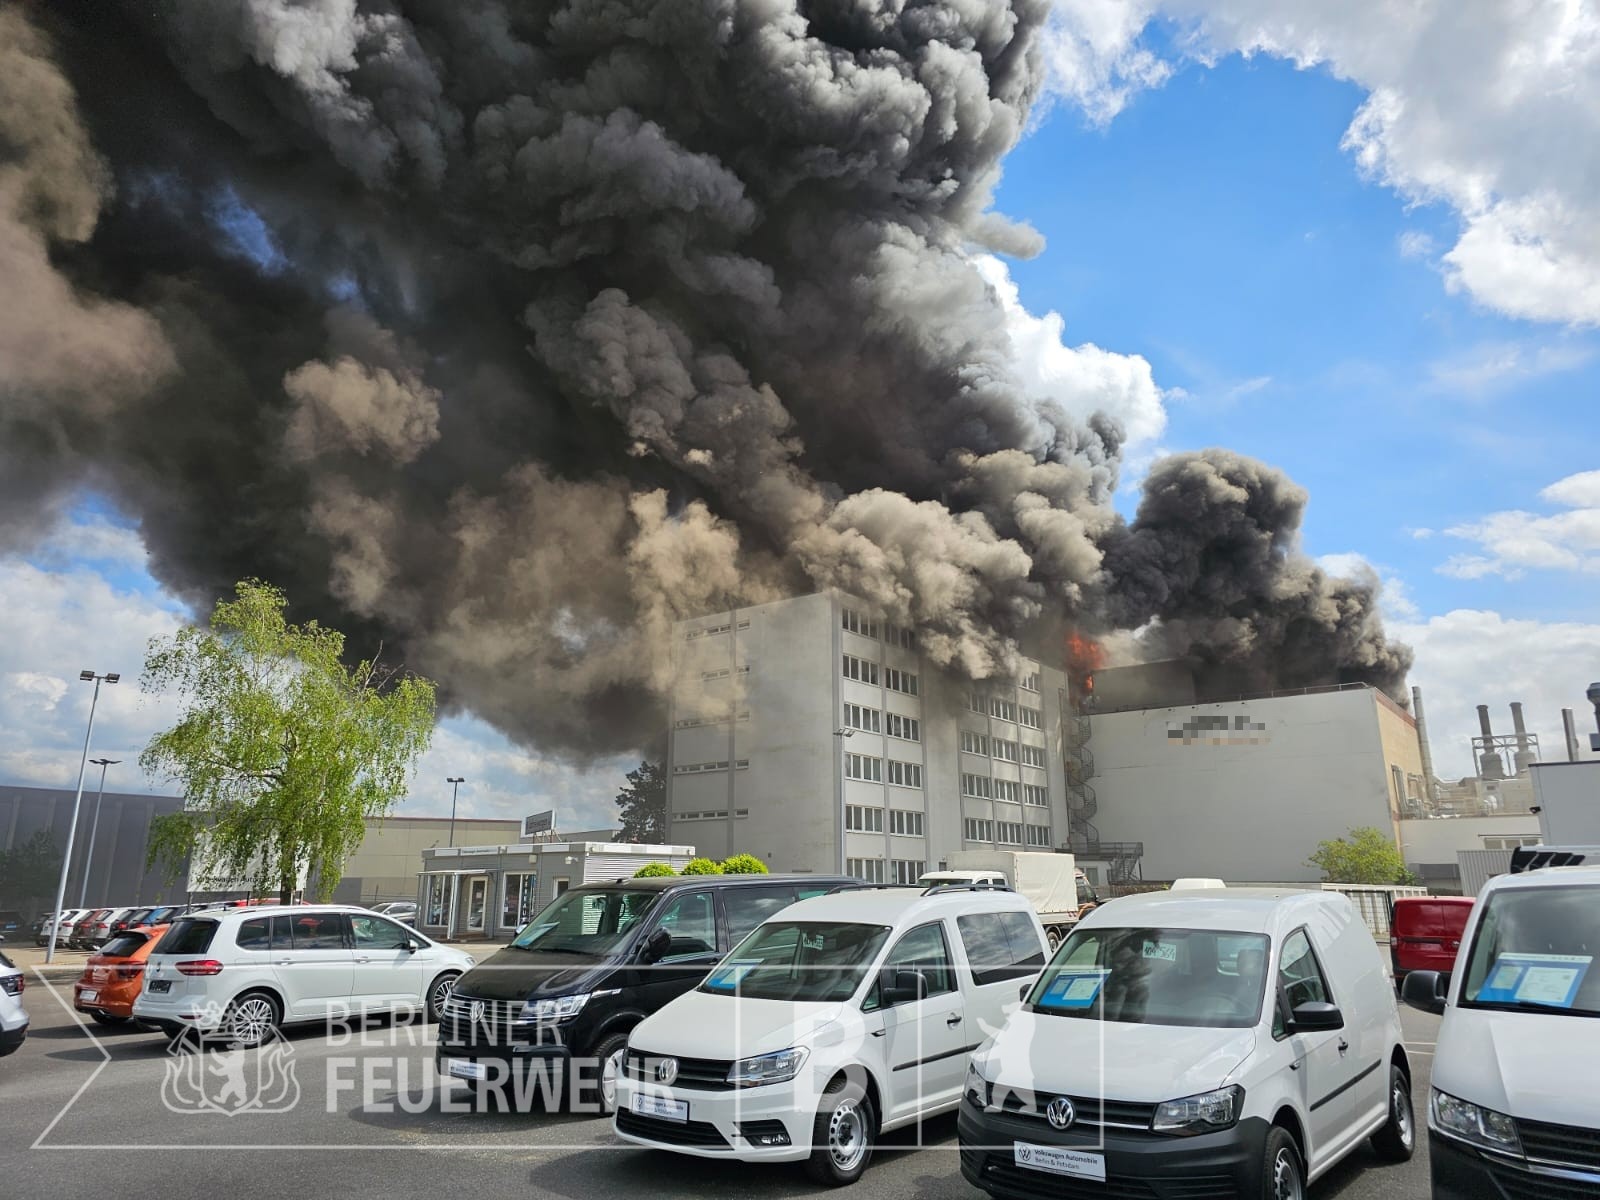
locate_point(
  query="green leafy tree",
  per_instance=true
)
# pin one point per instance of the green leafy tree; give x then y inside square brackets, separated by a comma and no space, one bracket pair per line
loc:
[30,871]
[282,749]
[655,870]
[644,805]
[1367,855]
[701,866]
[743,864]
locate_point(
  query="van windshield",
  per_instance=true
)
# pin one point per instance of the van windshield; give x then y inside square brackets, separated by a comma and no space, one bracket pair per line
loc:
[585,922]
[1534,951]
[1200,977]
[799,960]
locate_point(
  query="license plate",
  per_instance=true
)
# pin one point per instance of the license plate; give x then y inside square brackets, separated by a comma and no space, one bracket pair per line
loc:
[661,1107]
[460,1068]
[161,985]
[88,996]
[1060,1162]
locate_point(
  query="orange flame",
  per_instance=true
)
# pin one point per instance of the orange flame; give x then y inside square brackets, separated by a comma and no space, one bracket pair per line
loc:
[1084,657]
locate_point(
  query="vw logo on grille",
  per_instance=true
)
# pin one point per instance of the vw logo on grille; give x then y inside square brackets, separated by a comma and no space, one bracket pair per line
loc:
[1060,1113]
[475,1013]
[666,1070]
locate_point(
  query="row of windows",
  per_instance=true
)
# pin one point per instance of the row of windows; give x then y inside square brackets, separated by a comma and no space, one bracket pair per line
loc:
[1038,835]
[725,672]
[979,829]
[870,769]
[698,768]
[985,788]
[1032,793]
[860,669]
[864,625]
[695,722]
[710,815]
[1006,833]
[897,680]
[1005,710]
[1030,717]
[1031,682]
[870,720]
[895,870]
[1032,756]
[859,623]
[859,818]
[1006,750]
[710,630]
[906,728]
[905,774]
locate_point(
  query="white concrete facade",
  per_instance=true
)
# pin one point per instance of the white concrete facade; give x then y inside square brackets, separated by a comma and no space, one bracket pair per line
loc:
[1568,797]
[815,735]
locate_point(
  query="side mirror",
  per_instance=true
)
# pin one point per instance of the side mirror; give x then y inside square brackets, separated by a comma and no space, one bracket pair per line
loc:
[1317,1016]
[1426,990]
[902,987]
[656,946]
[410,946]
[1022,992]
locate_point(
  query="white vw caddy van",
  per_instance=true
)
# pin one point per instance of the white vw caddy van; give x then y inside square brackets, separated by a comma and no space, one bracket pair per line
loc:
[1208,1043]
[840,1017]
[1515,1109]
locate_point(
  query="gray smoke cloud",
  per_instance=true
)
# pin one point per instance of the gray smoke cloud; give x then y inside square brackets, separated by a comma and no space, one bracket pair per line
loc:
[507,334]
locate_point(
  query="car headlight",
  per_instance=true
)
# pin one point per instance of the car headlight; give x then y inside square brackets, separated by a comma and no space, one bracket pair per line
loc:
[1205,1113]
[767,1068]
[1473,1123]
[976,1089]
[558,1008]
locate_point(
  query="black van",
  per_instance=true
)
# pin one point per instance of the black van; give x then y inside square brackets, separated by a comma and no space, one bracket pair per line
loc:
[553,1009]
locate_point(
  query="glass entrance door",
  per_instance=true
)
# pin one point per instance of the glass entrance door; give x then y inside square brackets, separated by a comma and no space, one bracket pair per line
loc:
[477,902]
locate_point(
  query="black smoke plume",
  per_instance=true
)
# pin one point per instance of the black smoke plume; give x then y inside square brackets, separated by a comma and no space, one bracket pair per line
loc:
[510,333]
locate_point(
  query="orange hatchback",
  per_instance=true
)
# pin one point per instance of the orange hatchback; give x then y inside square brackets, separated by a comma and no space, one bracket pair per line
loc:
[112,977]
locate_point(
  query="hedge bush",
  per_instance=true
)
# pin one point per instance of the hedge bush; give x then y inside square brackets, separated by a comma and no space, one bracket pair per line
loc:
[653,871]
[743,864]
[700,866]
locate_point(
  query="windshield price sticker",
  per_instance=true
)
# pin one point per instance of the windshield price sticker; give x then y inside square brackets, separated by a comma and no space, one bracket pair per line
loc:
[729,974]
[1165,951]
[1549,979]
[1073,989]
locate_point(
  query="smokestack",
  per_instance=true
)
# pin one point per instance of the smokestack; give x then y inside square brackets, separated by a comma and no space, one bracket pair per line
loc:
[1594,698]
[1525,755]
[1490,765]
[1569,729]
[1429,784]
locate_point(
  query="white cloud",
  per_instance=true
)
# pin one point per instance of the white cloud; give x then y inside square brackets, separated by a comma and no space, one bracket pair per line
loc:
[1394,598]
[1513,542]
[1490,106]
[1083,379]
[1499,365]
[1469,657]
[1414,244]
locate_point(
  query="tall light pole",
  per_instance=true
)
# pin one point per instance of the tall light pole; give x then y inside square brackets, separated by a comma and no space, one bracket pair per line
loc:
[88,857]
[455,782]
[77,802]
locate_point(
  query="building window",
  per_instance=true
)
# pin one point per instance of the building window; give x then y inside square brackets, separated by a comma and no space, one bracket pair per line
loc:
[1511,843]
[975,743]
[900,681]
[906,870]
[1032,756]
[1032,793]
[1031,682]
[516,900]
[1005,710]
[865,719]
[905,774]
[710,815]
[1007,789]
[1038,835]
[724,673]
[1010,832]
[860,819]
[864,767]
[857,623]
[1006,750]
[860,669]
[895,635]
[695,722]
[906,728]
[869,869]
[438,897]
[905,822]
[1031,718]
[708,630]
[702,767]
[977,703]
[979,830]
[977,785]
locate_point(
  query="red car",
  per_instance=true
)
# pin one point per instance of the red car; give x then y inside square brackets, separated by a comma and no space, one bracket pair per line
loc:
[1425,933]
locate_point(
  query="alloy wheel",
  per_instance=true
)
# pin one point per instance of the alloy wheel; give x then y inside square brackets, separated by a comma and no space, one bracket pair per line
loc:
[252,1020]
[441,992]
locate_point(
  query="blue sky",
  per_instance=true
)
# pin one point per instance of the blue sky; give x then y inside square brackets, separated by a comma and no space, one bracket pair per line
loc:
[1389,303]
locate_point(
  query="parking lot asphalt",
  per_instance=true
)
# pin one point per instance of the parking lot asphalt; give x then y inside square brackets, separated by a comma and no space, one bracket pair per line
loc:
[85,1112]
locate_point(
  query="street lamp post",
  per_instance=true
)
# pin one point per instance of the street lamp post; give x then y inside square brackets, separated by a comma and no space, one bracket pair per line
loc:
[94,827]
[77,803]
[455,782]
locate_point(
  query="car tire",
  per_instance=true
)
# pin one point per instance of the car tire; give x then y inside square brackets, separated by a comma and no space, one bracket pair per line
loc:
[102,1018]
[251,1020]
[843,1134]
[1052,937]
[1397,1140]
[438,992]
[1283,1175]
[613,1047]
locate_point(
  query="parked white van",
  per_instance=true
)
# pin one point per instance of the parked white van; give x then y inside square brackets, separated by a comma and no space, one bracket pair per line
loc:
[1235,1041]
[244,972]
[1514,1109]
[839,1018]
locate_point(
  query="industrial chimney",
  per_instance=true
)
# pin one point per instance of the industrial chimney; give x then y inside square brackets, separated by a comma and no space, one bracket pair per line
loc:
[1569,729]
[1490,764]
[1526,755]
[1594,698]
[1429,784]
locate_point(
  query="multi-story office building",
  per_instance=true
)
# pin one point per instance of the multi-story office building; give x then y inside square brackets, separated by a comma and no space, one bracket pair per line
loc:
[817,737]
